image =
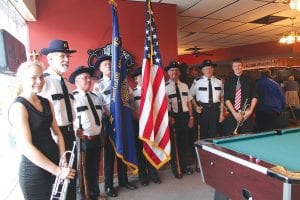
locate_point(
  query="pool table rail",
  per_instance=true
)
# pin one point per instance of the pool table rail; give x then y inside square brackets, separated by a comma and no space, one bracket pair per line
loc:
[232,172]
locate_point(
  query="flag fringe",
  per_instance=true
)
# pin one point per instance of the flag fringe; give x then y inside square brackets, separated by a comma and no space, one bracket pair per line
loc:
[153,144]
[161,164]
[133,168]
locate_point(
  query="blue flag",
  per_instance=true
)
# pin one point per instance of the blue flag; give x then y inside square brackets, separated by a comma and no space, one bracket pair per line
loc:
[121,120]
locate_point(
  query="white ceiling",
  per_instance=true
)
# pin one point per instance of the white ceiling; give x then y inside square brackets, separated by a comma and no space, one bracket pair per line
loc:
[218,24]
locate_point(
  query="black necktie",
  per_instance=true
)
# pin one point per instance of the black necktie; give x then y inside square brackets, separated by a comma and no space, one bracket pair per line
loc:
[210,92]
[180,110]
[67,99]
[96,117]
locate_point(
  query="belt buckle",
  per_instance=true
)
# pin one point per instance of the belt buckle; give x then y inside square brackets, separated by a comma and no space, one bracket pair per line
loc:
[70,128]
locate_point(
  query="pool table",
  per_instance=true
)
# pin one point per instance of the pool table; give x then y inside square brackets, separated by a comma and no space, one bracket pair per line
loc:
[262,166]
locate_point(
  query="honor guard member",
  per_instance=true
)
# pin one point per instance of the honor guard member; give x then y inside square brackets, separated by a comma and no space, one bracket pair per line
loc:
[88,121]
[146,170]
[56,89]
[237,90]
[103,90]
[180,108]
[207,93]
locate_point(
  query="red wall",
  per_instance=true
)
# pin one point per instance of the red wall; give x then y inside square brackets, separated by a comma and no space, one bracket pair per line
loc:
[87,25]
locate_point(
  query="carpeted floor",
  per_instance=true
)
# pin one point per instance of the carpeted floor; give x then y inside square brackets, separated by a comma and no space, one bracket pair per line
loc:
[190,187]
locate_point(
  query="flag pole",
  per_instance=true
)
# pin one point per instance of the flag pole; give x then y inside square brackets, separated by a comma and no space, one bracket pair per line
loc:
[150,21]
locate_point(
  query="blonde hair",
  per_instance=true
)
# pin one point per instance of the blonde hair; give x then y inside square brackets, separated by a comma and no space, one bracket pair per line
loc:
[21,71]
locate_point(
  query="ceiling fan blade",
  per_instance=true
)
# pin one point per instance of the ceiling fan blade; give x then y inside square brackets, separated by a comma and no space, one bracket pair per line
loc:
[198,53]
[193,49]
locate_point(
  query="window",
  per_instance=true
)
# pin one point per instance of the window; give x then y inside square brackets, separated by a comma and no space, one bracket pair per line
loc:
[13,23]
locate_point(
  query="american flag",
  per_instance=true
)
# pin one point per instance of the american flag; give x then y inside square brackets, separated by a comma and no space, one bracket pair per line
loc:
[153,123]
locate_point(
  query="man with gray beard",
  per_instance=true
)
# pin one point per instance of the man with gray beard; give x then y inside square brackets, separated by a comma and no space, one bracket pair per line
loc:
[56,89]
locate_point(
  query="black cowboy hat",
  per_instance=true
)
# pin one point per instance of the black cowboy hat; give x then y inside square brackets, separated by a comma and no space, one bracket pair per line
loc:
[173,64]
[57,46]
[137,71]
[79,70]
[207,63]
[101,59]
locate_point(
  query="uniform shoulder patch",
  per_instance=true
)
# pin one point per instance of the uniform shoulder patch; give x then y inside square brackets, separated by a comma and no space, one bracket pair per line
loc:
[167,83]
[198,78]
[134,88]
[75,92]
[46,74]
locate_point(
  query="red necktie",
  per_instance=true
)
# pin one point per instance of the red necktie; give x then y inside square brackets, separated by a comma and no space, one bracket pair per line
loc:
[238,95]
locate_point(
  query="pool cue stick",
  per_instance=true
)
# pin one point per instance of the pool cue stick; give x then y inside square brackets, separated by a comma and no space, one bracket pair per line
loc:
[81,167]
[174,142]
[198,138]
[294,119]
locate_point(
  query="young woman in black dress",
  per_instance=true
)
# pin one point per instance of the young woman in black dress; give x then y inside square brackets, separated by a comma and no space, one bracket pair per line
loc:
[38,136]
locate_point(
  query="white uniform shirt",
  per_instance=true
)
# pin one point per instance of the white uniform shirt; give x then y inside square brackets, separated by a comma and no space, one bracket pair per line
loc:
[172,98]
[199,89]
[53,92]
[83,109]
[103,90]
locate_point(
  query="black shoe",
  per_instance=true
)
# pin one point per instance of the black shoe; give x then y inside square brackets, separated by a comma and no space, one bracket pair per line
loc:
[111,192]
[179,176]
[144,182]
[197,169]
[187,171]
[129,186]
[156,180]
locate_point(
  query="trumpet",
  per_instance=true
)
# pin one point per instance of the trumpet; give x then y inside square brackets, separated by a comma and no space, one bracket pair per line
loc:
[240,123]
[60,187]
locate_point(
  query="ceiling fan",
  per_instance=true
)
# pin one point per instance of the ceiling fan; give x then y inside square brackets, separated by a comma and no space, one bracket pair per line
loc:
[195,51]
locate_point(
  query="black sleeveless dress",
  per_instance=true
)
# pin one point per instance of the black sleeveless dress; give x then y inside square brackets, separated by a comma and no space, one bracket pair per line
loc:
[36,183]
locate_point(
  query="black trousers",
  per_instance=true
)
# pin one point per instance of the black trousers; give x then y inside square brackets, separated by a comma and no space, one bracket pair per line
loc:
[109,160]
[146,170]
[209,119]
[230,124]
[92,150]
[69,138]
[267,120]
[179,137]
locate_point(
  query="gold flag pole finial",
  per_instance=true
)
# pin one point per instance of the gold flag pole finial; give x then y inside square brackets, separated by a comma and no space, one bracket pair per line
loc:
[112,2]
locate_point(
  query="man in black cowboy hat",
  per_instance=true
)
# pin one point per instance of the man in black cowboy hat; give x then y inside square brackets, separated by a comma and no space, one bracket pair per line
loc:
[207,93]
[88,124]
[56,89]
[146,171]
[103,90]
[181,114]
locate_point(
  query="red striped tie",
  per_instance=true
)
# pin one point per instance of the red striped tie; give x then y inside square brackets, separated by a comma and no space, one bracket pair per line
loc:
[238,95]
